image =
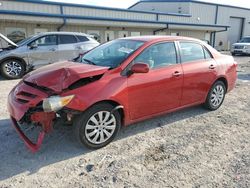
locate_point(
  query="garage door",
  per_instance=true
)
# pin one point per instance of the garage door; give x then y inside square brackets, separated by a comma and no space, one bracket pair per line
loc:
[235,31]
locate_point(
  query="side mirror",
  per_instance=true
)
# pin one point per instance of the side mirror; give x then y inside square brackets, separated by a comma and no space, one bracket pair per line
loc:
[33,46]
[140,68]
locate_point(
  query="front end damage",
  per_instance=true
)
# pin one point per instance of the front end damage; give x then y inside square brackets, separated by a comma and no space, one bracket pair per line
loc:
[38,99]
[25,107]
[41,119]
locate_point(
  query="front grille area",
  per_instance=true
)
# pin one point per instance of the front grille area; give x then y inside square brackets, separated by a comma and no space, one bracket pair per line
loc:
[28,94]
[238,47]
[22,101]
[24,97]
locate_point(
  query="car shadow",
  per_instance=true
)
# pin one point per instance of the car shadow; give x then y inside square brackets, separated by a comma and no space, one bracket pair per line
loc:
[60,145]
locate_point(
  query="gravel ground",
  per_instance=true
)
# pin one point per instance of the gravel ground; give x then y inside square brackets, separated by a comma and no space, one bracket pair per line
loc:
[189,148]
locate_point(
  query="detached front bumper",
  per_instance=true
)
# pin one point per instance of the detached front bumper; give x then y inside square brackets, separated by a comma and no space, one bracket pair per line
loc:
[23,106]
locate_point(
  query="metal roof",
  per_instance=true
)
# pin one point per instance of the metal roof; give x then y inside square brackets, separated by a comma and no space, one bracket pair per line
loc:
[191,1]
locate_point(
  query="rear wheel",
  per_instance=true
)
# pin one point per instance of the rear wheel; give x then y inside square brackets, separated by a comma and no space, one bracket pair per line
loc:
[12,69]
[98,126]
[216,96]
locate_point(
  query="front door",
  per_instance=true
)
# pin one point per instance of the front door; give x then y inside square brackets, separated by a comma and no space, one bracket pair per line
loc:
[160,89]
[199,70]
[43,51]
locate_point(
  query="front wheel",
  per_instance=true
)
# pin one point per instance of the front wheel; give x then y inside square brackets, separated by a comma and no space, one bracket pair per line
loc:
[98,126]
[216,96]
[12,69]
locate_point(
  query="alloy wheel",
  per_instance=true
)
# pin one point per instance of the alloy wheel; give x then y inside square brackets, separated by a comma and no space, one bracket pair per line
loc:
[13,68]
[100,127]
[217,95]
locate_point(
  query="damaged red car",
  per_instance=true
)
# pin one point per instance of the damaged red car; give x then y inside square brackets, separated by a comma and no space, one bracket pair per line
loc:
[119,83]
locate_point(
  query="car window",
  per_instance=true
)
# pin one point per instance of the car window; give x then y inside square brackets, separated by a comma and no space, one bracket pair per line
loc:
[112,54]
[245,40]
[158,55]
[45,41]
[207,54]
[191,52]
[82,38]
[67,39]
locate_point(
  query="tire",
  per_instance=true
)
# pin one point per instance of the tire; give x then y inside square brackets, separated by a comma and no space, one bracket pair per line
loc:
[87,126]
[215,96]
[12,69]
[233,54]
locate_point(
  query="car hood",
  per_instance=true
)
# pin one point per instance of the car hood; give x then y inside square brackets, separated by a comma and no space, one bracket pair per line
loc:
[241,44]
[8,42]
[60,76]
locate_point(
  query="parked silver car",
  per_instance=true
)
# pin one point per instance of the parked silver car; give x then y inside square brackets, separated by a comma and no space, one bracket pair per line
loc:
[241,47]
[40,50]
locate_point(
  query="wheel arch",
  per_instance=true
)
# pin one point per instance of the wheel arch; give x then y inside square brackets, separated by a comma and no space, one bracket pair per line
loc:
[114,104]
[224,80]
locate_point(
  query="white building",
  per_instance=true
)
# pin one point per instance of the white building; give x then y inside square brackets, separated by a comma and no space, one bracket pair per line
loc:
[221,25]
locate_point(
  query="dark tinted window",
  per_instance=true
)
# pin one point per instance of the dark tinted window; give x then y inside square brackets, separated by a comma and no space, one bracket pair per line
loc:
[246,39]
[158,55]
[82,38]
[67,39]
[191,51]
[45,41]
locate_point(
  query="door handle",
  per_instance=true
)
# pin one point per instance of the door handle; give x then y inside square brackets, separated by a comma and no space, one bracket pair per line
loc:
[176,74]
[212,66]
[52,49]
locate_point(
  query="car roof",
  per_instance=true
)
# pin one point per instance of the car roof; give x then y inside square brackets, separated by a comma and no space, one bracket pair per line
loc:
[63,33]
[159,37]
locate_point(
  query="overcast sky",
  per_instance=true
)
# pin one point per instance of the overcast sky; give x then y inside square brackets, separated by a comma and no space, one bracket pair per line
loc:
[127,3]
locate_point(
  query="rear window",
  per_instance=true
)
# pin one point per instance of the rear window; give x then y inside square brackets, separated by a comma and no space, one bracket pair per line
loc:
[191,52]
[82,38]
[67,39]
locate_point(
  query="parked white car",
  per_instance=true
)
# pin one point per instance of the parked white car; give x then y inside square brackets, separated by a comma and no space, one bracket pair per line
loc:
[41,49]
[242,47]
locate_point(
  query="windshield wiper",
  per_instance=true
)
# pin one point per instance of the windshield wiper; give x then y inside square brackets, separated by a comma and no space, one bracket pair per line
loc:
[88,61]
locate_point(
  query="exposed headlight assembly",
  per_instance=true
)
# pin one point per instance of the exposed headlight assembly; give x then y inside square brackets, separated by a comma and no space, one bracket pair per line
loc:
[55,103]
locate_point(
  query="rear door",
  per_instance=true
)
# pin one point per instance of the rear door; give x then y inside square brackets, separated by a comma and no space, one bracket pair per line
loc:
[85,44]
[43,50]
[160,89]
[67,48]
[199,69]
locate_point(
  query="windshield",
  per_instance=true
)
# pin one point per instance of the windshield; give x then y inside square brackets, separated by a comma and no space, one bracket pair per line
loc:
[112,54]
[20,43]
[247,39]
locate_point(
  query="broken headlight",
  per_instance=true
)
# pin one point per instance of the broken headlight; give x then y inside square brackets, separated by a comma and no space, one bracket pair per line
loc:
[55,103]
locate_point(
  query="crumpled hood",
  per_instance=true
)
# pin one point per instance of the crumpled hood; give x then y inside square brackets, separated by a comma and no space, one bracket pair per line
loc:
[59,76]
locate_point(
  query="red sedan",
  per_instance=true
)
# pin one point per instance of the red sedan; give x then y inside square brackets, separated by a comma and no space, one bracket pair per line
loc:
[119,83]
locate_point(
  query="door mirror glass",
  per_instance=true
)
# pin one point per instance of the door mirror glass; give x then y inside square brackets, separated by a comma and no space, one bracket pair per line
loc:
[140,68]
